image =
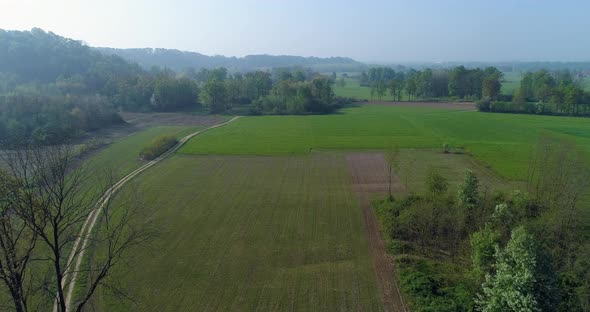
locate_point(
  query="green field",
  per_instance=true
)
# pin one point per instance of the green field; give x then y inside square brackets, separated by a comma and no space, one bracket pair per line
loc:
[502,141]
[352,89]
[260,214]
[510,83]
[245,233]
[122,156]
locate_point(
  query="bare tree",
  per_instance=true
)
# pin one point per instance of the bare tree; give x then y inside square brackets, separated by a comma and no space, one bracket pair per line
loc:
[558,176]
[116,231]
[16,245]
[393,162]
[59,204]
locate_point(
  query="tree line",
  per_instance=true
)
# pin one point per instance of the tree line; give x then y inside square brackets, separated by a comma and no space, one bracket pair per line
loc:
[477,249]
[546,93]
[458,82]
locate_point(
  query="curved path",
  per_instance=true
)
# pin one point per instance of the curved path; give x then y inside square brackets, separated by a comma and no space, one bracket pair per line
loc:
[77,254]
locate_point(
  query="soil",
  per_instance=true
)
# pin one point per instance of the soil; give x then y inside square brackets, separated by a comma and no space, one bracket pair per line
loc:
[442,105]
[370,177]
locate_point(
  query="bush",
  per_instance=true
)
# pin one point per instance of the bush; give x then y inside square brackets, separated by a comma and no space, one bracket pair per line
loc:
[427,287]
[483,105]
[157,147]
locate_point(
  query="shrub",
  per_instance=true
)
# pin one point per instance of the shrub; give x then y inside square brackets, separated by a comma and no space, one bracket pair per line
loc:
[483,105]
[157,147]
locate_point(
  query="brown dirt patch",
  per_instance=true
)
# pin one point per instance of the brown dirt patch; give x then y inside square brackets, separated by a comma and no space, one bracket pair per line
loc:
[441,105]
[370,173]
[370,176]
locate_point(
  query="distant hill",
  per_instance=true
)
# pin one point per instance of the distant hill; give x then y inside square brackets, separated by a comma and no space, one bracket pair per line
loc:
[40,56]
[179,60]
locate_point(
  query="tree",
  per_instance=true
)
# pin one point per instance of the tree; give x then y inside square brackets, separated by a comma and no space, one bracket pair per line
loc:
[468,194]
[51,199]
[214,95]
[16,245]
[436,183]
[484,244]
[558,176]
[411,86]
[523,280]
[491,86]
[468,200]
[171,93]
[392,158]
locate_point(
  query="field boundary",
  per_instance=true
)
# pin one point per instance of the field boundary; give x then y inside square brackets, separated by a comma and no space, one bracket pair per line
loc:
[369,174]
[88,226]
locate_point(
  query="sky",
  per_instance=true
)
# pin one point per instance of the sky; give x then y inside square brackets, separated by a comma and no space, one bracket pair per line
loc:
[386,31]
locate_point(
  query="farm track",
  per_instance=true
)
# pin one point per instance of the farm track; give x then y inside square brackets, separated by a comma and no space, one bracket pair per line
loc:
[77,254]
[369,177]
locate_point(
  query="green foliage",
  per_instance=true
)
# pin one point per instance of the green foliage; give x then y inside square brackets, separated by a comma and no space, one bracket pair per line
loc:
[429,289]
[157,147]
[173,94]
[459,82]
[436,183]
[52,119]
[214,96]
[483,105]
[484,244]
[523,281]
[544,92]
[468,194]
[292,97]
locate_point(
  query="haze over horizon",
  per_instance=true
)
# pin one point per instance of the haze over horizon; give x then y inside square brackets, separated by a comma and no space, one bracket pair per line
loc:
[397,31]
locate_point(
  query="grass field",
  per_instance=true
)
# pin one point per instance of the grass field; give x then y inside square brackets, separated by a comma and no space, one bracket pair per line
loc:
[122,156]
[415,165]
[247,233]
[501,141]
[261,214]
[352,89]
[511,82]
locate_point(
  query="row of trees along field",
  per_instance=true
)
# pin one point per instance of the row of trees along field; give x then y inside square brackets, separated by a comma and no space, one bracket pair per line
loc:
[53,89]
[477,249]
[458,82]
[544,92]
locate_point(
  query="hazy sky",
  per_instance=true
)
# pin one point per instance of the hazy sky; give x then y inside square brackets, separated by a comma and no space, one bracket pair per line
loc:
[368,30]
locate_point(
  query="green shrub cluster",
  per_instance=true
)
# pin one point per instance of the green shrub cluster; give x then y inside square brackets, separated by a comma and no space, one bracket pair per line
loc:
[157,147]
[472,249]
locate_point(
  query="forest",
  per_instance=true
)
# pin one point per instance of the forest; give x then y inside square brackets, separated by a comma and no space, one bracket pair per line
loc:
[54,89]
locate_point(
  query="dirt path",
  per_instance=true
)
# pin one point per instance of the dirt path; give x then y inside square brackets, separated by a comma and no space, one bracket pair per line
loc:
[77,254]
[370,177]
